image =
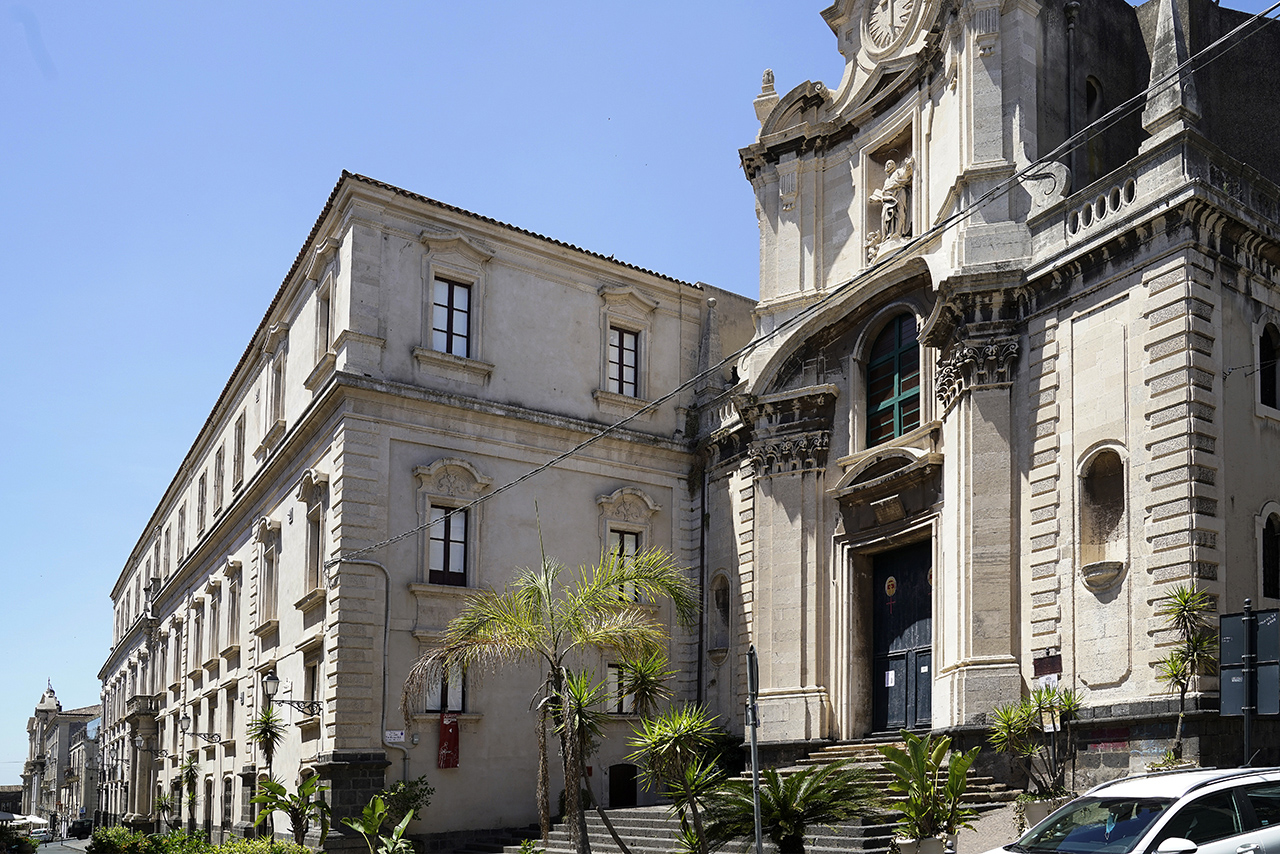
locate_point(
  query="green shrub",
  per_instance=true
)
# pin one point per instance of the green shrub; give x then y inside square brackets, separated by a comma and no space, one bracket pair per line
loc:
[260,845]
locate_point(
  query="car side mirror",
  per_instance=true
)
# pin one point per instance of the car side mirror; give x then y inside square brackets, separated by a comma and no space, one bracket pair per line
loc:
[1176,845]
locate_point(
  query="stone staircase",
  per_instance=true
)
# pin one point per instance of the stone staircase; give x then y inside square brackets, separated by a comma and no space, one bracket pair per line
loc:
[653,830]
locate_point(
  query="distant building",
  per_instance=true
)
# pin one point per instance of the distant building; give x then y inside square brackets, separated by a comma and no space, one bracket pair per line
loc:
[11,799]
[416,356]
[52,781]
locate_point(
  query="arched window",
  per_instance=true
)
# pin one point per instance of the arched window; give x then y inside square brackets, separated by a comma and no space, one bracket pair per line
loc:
[1268,352]
[893,381]
[1271,557]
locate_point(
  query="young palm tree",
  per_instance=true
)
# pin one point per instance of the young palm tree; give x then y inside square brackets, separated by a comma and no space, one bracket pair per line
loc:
[266,730]
[644,680]
[189,774]
[823,794]
[302,807]
[669,748]
[1186,612]
[549,616]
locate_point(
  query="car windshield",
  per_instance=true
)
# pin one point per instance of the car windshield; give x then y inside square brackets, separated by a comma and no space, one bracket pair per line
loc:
[1089,825]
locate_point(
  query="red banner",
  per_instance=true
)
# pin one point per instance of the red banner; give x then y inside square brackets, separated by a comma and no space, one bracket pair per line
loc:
[448,756]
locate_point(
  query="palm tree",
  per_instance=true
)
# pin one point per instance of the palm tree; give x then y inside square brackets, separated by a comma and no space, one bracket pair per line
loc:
[644,680]
[266,730]
[546,618]
[823,794]
[1186,612]
[669,748]
[301,807]
[189,774]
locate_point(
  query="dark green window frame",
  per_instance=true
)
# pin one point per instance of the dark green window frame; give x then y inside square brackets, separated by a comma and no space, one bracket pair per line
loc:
[893,381]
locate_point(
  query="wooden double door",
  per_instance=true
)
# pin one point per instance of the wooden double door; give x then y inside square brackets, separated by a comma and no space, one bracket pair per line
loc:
[902,638]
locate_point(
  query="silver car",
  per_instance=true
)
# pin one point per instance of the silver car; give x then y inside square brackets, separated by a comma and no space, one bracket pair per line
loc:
[1211,811]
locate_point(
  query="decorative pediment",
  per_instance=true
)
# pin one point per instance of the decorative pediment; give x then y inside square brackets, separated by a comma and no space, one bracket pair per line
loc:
[626,300]
[456,243]
[802,105]
[628,505]
[324,253]
[275,335]
[452,478]
[265,528]
[311,486]
[878,479]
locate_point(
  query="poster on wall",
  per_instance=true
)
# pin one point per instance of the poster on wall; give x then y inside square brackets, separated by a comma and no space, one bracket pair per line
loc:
[448,755]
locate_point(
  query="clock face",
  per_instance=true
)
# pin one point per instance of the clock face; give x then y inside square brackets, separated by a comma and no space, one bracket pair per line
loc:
[886,19]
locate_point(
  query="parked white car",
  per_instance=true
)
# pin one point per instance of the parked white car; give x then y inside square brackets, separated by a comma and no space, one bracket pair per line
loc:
[42,834]
[1210,811]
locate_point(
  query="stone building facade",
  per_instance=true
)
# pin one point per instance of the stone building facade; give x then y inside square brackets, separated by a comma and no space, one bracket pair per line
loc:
[1007,391]
[416,357]
[55,781]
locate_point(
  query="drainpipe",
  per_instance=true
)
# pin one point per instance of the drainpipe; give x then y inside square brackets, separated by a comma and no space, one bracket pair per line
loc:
[386,645]
[1072,11]
[702,580]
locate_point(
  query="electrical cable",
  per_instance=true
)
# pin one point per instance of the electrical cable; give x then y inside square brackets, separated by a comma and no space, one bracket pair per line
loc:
[1102,123]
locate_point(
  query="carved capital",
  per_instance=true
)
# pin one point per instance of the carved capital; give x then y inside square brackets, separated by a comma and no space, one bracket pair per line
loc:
[975,365]
[794,452]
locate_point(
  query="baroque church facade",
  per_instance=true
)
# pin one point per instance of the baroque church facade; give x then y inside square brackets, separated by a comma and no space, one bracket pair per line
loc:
[1015,370]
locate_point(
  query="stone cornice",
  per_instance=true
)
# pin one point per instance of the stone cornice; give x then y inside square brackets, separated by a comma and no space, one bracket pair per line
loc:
[794,452]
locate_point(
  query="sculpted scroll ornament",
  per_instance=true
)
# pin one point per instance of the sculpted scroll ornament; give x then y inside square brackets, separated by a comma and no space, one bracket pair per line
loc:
[628,505]
[975,366]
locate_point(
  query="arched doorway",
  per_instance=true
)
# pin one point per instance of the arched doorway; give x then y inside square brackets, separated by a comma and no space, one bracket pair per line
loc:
[622,785]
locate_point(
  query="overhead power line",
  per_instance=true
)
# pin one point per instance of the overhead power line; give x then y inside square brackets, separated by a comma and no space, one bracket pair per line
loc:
[1202,58]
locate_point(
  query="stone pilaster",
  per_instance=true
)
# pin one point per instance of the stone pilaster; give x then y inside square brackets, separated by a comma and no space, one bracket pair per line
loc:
[791,598]
[975,637]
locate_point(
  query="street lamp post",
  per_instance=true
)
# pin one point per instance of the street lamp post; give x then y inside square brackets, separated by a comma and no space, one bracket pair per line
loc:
[271,685]
[185,723]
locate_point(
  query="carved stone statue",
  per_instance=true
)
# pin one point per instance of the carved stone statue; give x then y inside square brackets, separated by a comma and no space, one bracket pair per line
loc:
[894,199]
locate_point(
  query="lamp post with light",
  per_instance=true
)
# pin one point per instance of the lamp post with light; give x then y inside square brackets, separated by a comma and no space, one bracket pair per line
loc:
[271,685]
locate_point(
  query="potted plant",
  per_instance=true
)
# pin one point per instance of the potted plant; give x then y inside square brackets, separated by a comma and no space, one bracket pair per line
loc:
[931,780]
[1035,730]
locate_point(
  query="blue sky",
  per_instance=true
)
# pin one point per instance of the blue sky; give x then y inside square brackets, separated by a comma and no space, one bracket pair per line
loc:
[163,162]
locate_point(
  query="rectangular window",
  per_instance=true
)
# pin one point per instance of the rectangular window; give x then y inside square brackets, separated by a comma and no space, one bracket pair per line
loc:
[277,387]
[214,629]
[447,559]
[618,703]
[324,338]
[267,591]
[626,544]
[624,356]
[233,611]
[445,695]
[177,656]
[226,802]
[237,454]
[202,493]
[197,640]
[219,473]
[182,532]
[231,713]
[451,318]
[315,547]
[167,565]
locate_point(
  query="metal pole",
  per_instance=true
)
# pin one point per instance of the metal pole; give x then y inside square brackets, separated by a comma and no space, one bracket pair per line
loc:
[1250,677]
[753,722]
